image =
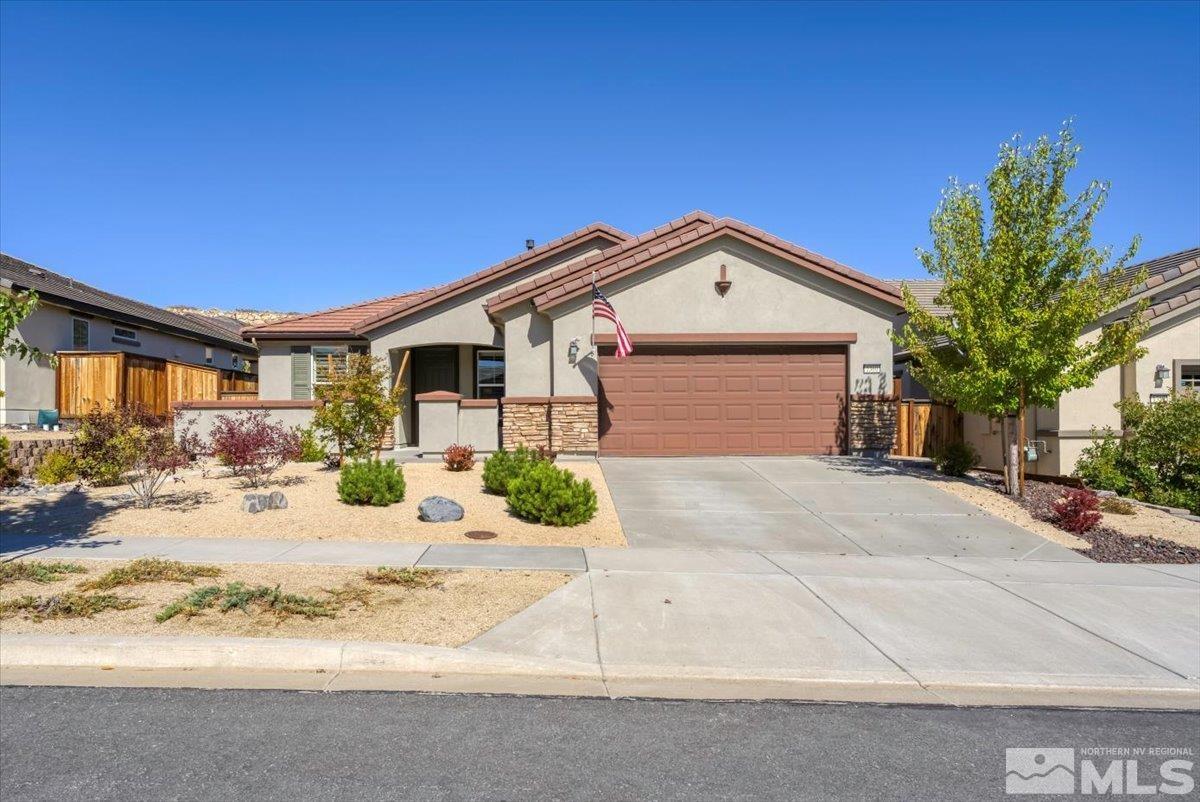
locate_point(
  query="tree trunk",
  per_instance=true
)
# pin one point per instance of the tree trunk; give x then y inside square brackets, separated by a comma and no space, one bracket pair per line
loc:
[1011,455]
[1021,445]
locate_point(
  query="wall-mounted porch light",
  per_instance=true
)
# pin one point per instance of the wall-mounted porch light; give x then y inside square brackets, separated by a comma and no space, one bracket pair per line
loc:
[573,351]
[1161,373]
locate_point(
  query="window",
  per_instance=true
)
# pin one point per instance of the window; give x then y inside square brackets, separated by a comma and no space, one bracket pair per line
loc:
[80,334]
[207,355]
[1188,374]
[325,357]
[489,374]
[121,334]
[236,362]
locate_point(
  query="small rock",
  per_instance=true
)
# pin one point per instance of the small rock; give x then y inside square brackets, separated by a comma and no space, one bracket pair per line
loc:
[277,500]
[255,502]
[438,509]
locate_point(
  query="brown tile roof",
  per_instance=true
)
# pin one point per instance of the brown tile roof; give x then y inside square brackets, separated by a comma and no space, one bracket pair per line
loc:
[1163,269]
[354,320]
[686,232]
[536,285]
[64,290]
[925,290]
[1173,302]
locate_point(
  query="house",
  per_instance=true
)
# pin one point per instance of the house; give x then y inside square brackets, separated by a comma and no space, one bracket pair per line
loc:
[743,344]
[75,317]
[1172,362]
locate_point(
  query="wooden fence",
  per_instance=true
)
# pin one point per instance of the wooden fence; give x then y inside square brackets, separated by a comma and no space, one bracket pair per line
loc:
[923,427]
[235,384]
[107,379]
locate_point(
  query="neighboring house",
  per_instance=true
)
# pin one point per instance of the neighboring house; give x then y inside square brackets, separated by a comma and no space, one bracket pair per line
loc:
[1171,362]
[743,344]
[73,316]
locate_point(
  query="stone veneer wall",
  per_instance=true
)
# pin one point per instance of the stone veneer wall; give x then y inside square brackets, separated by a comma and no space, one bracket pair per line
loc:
[26,451]
[872,424]
[562,423]
[574,426]
[524,422]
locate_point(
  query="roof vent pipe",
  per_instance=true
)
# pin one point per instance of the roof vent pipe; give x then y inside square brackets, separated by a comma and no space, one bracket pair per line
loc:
[529,245]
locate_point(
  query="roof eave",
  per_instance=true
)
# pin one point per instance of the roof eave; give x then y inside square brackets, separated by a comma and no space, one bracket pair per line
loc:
[137,320]
[544,301]
[607,232]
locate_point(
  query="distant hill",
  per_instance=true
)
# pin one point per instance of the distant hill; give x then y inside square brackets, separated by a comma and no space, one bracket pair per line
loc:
[227,317]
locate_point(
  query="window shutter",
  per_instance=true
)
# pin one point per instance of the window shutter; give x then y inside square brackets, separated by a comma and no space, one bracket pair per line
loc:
[301,373]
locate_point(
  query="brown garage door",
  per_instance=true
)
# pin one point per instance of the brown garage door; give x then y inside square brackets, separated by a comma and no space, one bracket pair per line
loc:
[722,399]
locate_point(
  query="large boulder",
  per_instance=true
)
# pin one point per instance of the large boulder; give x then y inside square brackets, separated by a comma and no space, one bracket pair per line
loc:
[255,502]
[438,509]
[277,500]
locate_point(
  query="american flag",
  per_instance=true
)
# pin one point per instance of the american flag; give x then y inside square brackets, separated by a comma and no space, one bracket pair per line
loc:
[601,307]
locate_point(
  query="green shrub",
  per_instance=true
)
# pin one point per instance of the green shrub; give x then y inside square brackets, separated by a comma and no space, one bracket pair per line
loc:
[550,495]
[311,448]
[9,474]
[56,467]
[1158,460]
[109,442]
[371,482]
[1099,465]
[150,569]
[65,605]
[955,459]
[37,571]
[504,466]
[239,596]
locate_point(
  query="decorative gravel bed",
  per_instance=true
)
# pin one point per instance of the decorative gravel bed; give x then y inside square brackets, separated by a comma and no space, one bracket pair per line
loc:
[1108,544]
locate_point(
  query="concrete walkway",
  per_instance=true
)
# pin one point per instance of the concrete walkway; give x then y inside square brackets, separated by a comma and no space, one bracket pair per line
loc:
[824,505]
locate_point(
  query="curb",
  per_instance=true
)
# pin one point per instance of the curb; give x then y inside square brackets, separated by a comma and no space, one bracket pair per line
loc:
[322,665]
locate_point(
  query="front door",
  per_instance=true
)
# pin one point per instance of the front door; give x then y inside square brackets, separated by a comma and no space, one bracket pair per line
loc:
[434,368]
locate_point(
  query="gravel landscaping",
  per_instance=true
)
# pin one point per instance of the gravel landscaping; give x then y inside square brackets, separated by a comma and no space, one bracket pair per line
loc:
[1148,535]
[442,608]
[199,506]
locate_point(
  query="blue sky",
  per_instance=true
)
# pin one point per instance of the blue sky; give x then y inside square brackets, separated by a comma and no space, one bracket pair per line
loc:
[297,156]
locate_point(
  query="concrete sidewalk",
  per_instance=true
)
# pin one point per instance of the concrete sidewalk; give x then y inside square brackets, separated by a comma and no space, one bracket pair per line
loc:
[429,555]
[747,625]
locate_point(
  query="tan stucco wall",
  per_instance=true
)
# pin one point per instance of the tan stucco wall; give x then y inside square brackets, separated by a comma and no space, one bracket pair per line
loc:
[28,388]
[678,296]
[527,355]
[1079,411]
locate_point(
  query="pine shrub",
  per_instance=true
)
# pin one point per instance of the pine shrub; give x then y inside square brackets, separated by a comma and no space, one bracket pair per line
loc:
[955,459]
[371,482]
[504,466]
[549,495]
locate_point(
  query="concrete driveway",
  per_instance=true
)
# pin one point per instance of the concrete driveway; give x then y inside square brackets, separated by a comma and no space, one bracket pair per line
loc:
[825,505]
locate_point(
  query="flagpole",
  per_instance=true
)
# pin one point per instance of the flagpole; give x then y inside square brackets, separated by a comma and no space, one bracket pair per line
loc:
[594,316]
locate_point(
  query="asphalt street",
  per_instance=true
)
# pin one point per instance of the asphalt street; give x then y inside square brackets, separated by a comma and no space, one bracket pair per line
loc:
[140,744]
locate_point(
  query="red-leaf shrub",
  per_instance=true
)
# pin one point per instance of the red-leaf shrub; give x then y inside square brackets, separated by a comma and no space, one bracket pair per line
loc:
[459,458]
[252,446]
[1075,511]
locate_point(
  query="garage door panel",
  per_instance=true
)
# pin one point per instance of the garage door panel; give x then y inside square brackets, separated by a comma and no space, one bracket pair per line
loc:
[732,399]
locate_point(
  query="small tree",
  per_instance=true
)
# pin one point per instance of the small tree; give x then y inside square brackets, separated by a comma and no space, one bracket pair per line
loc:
[252,446]
[153,455]
[360,405]
[1023,283]
[14,308]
